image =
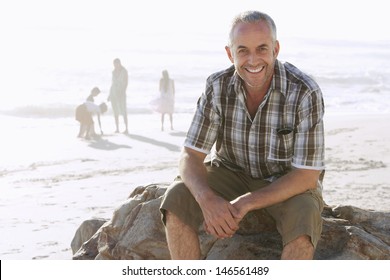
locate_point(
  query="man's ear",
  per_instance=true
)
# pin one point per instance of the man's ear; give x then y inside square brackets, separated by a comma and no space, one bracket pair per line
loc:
[276,49]
[229,53]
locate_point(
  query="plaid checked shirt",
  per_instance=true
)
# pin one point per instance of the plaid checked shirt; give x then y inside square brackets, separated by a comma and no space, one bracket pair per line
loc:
[286,132]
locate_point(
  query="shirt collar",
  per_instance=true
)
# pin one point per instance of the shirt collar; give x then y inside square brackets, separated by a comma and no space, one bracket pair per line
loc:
[279,80]
[235,83]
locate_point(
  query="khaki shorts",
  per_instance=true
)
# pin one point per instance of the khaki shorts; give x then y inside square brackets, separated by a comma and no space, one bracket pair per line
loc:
[299,215]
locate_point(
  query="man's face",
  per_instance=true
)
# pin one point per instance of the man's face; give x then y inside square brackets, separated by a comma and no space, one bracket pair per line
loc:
[117,64]
[253,53]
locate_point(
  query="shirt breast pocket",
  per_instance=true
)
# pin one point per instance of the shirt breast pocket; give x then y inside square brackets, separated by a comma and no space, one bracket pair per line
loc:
[281,145]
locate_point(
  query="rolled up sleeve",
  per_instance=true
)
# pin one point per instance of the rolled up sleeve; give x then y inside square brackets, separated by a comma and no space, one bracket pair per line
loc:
[309,143]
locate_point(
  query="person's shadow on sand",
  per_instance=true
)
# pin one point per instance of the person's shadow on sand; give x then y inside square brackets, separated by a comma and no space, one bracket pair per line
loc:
[178,133]
[103,144]
[168,146]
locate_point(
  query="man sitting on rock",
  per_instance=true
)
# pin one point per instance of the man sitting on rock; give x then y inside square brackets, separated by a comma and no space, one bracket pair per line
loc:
[265,120]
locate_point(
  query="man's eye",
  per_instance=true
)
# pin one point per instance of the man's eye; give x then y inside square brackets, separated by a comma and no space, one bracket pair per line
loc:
[263,49]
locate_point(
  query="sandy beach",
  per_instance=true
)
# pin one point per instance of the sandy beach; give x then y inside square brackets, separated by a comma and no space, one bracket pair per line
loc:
[51,181]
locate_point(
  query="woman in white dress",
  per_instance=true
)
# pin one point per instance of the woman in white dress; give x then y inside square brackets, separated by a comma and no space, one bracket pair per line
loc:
[166,102]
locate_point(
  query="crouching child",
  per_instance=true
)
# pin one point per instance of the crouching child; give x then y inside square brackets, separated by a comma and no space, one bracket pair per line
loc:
[84,115]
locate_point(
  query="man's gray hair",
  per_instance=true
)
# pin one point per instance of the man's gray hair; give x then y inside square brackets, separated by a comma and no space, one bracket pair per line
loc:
[252,17]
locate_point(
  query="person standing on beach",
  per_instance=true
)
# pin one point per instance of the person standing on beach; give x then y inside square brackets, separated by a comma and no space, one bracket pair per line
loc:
[167,98]
[264,119]
[117,95]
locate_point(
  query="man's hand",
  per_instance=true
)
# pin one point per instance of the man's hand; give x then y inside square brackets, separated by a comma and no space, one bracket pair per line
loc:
[241,207]
[220,217]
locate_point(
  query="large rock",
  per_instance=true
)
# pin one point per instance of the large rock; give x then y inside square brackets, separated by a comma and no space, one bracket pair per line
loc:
[136,232]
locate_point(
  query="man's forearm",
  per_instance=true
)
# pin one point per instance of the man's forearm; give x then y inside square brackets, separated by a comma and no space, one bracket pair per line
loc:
[220,217]
[194,173]
[293,183]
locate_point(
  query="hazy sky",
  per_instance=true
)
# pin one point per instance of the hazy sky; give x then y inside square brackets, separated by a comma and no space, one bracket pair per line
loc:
[51,25]
[32,30]
[347,19]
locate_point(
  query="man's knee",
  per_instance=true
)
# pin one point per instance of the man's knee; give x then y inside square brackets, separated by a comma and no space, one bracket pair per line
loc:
[180,207]
[301,248]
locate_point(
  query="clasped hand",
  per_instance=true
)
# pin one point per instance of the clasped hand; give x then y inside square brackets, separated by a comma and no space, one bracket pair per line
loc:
[221,218]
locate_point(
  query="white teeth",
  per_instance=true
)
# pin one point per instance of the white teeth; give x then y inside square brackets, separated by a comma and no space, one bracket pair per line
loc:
[256,70]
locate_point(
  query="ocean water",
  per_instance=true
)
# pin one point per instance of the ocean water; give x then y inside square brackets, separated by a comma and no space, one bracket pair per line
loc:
[49,81]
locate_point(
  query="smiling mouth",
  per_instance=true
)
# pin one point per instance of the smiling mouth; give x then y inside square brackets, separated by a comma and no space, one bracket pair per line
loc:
[255,70]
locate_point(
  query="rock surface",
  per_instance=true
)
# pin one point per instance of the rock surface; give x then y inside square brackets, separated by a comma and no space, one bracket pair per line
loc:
[136,232]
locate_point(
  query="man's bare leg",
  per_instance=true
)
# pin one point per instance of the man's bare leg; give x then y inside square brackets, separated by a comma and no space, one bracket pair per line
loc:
[298,249]
[183,241]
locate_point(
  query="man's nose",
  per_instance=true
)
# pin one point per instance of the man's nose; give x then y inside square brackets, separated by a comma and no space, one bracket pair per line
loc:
[253,59]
